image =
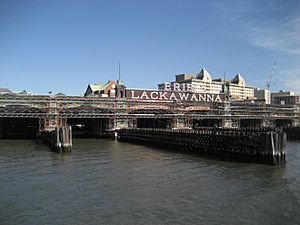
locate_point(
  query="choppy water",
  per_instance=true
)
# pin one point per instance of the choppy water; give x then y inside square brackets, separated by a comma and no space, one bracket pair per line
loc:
[106,182]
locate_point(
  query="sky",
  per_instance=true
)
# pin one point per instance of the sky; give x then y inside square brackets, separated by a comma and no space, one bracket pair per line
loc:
[64,45]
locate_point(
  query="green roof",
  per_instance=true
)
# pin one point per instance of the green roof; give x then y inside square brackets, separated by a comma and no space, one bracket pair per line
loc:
[98,87]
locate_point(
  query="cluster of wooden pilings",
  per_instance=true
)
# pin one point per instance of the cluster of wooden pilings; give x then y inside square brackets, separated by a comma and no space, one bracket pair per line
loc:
[60,140]
[259,145]
[63,139]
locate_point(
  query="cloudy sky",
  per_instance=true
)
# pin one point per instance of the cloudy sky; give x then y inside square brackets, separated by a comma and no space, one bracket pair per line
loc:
[63,45]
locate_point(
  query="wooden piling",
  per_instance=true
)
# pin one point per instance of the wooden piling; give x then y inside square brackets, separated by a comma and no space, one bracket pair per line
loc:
[60,140]
[63,140]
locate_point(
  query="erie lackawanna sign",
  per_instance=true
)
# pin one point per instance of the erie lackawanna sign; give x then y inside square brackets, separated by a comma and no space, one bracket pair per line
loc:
[173,96]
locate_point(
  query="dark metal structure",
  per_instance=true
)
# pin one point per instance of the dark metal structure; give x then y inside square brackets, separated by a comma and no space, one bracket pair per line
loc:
[116,113]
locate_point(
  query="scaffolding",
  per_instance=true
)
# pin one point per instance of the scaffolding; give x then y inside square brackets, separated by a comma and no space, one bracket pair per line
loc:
[53,111]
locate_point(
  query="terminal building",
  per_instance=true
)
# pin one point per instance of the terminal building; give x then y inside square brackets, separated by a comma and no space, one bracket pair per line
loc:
[110,89]
[203,83]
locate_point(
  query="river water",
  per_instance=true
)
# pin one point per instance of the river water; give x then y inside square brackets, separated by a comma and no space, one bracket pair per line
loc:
[108,182]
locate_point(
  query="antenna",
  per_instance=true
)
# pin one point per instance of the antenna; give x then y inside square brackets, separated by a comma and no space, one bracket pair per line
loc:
[271,76]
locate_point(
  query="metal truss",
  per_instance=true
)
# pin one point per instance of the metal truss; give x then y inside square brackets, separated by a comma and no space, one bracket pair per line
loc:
[82,107]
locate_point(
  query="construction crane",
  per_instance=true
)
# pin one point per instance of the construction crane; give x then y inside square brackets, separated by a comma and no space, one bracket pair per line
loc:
[271,76]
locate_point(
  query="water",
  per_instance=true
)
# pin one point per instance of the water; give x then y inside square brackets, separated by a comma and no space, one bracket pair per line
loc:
[106,182]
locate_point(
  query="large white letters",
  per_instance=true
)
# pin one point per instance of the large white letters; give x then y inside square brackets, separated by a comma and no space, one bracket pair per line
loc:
[167,86]
[133,97]
[184,96]
[144,95]
[171,96]
[152,95]
[176,87]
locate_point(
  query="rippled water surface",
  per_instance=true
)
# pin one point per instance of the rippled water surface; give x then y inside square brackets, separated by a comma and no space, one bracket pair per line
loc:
[107,182]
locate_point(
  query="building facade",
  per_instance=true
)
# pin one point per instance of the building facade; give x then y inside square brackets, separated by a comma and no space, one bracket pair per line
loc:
[203,83]
[285,98]
[101,90]
[262,94]
[109,89]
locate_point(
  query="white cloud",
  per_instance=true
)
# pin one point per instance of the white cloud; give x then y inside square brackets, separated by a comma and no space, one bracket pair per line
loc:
[271,25]
[282,36]
[268,24]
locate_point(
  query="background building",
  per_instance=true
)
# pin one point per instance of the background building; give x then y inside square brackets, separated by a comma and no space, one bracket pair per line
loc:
[109,89]
[203,83]
[285,98]
[101,90]
[262,94]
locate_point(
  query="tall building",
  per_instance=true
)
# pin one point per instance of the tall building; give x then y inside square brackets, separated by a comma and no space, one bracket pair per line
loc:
[203,83]
[262,94]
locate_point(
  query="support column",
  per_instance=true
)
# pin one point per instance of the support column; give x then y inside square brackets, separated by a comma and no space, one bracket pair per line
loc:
[132,123]
[227,121]
[111,124]
[169,124]
[53,120]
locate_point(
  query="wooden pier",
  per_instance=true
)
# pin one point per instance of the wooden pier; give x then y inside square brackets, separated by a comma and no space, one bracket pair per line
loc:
[261,145]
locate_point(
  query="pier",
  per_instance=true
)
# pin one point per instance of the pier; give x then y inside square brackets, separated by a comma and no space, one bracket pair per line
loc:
[213,121]
[249,145]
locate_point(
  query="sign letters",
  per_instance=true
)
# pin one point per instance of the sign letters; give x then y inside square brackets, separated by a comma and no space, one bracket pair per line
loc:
[173,96]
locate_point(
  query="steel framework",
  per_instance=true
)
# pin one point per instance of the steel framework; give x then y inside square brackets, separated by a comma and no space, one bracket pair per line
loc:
[53,111]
